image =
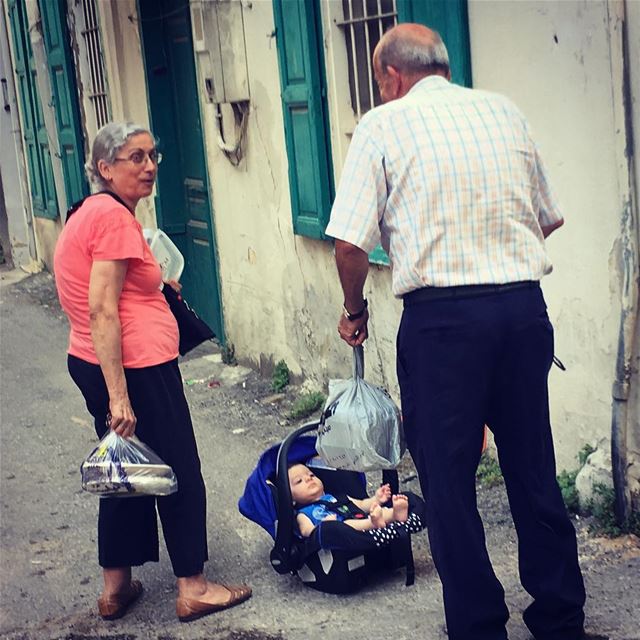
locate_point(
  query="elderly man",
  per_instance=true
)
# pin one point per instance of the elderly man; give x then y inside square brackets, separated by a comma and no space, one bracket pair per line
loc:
[451,182]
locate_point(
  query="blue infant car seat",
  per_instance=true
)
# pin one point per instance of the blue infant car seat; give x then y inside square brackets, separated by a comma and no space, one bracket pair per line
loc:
[336,558]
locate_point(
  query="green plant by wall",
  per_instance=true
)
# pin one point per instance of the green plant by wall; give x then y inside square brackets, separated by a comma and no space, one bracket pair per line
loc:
[567,482]
[229,355]
[602,508]
[280,377]
[306,404]
[584,453]
[488,473]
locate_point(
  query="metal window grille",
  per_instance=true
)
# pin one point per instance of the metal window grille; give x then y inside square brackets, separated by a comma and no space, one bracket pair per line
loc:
[98,92]
[364,23]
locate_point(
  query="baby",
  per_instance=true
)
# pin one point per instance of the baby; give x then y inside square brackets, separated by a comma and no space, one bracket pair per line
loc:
[315,506]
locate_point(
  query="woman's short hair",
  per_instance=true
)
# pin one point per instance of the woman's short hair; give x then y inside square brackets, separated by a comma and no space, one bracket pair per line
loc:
[108,141]
[411,55]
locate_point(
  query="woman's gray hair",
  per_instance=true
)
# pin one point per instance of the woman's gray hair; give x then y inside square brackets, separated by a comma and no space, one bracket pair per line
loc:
[411,55]
[108,141]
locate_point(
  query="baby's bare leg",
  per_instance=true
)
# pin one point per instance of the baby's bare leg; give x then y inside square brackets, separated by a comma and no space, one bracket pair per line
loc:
[377,517]
[359,524]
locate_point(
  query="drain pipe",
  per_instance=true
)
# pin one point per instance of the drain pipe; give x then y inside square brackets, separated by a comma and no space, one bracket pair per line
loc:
[626,372]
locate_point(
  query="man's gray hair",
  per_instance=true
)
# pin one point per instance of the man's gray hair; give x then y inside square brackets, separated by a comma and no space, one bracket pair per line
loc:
[410,55]
[108,141]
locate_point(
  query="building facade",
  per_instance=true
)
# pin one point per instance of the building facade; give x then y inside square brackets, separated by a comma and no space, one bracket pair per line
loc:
[254,103]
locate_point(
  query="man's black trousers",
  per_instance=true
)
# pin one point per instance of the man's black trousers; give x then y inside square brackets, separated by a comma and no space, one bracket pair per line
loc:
[464,362]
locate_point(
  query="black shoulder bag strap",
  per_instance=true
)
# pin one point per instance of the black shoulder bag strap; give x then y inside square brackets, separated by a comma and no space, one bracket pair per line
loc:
[76,205]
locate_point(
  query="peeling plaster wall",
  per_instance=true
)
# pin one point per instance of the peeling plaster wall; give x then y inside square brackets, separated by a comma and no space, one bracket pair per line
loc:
[564,71]
[47,232]
[280,292]
[561,63]
[633,412]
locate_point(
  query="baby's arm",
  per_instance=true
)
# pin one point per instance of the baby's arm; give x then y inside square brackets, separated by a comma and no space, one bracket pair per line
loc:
[305,525]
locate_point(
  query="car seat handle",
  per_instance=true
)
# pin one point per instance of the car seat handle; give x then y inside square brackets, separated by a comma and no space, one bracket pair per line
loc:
[283,556]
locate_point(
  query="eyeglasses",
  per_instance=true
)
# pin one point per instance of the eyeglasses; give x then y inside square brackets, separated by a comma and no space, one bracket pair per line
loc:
[140,157]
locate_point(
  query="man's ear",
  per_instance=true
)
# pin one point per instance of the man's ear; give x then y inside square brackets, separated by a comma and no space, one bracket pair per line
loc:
[395,81]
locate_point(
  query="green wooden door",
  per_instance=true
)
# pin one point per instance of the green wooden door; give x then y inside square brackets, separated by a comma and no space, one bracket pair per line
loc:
[183,206]
[65,97]
[36,140]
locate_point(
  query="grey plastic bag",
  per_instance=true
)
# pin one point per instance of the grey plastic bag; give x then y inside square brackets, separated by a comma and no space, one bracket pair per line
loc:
[126,467]
[361,426]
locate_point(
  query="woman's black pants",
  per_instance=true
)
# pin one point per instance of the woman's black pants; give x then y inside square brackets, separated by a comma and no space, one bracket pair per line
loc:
[463,363]
[127,527]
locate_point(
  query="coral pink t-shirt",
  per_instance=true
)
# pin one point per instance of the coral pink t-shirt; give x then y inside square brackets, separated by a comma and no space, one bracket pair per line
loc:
[104,229]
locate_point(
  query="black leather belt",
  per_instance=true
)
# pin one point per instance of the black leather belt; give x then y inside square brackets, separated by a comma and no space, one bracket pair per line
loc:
[464,291]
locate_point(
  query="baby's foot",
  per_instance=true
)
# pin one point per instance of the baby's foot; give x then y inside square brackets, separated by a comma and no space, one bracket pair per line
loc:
[377,517]
[383,494]
[400,508]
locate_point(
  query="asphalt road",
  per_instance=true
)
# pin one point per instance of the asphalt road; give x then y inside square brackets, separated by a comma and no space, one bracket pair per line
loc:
[49,578]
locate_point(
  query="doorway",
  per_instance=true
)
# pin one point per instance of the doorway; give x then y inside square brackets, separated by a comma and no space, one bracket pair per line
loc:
[183,205]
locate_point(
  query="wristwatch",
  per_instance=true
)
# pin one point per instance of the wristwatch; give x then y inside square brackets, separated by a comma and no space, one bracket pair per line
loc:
[355,316]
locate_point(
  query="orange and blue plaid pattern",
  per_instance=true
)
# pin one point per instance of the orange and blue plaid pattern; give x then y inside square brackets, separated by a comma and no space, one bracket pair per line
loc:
[450,181]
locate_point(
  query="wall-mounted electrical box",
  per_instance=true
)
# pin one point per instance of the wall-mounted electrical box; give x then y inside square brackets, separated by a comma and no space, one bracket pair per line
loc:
[219,42]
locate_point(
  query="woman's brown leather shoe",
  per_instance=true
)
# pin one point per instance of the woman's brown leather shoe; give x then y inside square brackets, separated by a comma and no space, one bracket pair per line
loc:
[116,606]
[191,608]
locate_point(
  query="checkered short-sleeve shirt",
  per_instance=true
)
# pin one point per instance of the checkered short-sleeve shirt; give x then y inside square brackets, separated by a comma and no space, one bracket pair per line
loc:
[450,181]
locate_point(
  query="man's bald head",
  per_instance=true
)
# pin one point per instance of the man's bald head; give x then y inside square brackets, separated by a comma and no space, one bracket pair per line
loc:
[412,49]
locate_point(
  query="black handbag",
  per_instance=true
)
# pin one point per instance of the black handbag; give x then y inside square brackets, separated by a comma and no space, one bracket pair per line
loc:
[193,329]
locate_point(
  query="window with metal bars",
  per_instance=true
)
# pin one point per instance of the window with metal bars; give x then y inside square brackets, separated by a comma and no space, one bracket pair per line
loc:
[364,23]
[98,91]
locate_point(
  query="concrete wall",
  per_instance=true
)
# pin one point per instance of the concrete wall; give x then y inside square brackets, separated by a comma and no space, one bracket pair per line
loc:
[564,71]
[279,293]
[561,63]
[633,411]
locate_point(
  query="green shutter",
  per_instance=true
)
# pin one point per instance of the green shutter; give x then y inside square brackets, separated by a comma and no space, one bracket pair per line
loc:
[304,109]
[36,140]
[450,19]
[65,97]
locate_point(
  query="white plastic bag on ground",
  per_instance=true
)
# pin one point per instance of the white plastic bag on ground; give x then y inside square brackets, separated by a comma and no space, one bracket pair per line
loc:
[126,467]
[361,426]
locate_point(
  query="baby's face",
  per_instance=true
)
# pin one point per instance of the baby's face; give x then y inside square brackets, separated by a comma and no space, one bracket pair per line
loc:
[305,486]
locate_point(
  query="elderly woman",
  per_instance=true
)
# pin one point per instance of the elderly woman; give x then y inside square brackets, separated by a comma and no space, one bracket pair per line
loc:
[123,351]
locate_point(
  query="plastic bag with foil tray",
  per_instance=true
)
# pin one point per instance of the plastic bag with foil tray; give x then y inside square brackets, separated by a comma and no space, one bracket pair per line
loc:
[126,467]
[361,426]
